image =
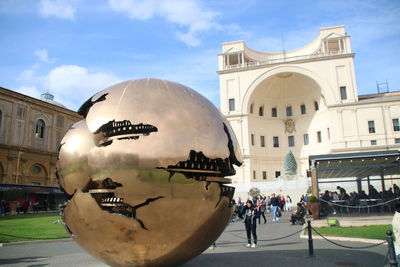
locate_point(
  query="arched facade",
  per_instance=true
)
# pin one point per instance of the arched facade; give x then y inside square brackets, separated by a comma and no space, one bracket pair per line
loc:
[326,90]
[30,134]
[305,100]
[37,173]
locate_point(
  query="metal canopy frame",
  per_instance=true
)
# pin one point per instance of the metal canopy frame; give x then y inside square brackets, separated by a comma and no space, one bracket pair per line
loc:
[358,165]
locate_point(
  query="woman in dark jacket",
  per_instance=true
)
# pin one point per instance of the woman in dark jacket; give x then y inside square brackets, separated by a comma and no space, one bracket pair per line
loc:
[250,214]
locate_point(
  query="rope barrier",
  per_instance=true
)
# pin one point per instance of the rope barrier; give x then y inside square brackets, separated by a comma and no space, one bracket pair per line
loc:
[283,237]
[360,207]
[344,246]
[273,239]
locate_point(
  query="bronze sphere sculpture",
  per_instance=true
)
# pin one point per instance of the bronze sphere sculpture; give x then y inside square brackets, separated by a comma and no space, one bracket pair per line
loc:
[145,172]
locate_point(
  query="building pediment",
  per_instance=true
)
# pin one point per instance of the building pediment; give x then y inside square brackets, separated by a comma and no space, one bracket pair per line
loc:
[333,35]
[232,50]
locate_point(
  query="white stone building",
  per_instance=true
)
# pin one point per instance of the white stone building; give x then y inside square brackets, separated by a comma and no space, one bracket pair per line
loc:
[305,100]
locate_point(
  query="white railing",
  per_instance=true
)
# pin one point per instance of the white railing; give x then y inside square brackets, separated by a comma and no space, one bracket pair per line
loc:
[282,60]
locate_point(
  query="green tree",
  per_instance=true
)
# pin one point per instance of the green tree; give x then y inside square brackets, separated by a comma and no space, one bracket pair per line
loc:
[290,164]
[254,192]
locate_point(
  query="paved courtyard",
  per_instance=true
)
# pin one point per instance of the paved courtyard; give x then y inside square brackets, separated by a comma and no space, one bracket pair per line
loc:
[230,251]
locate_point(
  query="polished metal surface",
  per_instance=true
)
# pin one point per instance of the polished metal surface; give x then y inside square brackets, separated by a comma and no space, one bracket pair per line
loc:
[146,172]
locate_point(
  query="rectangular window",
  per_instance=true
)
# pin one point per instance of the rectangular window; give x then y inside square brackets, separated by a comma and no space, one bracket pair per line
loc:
[274,112]
[60,121]
[289,111]
[316,106]
[264,175]
[303,109]
[343,93]
[261,111]
[328,131]
[254,175]
[262,140]
[21,111]
[397,140]
[396,125]
[371,126]
[58,138]
[231,104]
[252,139]
[373,142]
[276,141]
[277,174]
[291,140]
[319,137]
[251,108]
[306,140]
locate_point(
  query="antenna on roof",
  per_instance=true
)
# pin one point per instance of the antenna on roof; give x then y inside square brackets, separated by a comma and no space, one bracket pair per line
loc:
[283,46]
[382,87]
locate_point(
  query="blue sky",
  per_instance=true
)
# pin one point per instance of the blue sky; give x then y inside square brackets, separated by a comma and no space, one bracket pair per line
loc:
[74,48]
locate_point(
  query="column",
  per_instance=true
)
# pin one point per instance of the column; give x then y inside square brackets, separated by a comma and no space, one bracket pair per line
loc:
[359,187]
[382,179]
[314,182]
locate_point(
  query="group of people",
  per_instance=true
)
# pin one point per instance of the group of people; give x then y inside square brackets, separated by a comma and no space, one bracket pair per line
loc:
[256,208]
[20,207]
[262,202]
[389,194]
[353,198]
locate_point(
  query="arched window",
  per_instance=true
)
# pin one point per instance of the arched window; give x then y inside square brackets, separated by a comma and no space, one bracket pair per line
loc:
[40,127]
[36,169]
[261,111]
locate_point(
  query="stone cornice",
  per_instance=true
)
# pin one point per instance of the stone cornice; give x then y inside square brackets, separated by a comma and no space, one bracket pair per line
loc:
[238,115]
[28,150]
[35,101]
[366,102]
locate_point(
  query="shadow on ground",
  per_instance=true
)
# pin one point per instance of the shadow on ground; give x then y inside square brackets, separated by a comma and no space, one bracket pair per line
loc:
[298,258]
[27,260]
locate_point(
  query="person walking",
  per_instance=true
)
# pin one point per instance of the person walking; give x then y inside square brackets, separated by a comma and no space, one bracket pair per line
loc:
[262,208]
[250,221]
[274,203]
[288,203]
[282,203]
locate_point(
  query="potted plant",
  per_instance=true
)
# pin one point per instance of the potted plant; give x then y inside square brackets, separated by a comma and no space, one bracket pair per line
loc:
[313,206]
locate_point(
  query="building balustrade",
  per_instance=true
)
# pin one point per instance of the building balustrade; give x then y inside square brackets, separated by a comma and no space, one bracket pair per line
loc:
[283,60]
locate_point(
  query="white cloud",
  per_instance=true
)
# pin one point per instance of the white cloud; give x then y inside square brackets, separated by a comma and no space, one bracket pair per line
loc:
[29,74]
[75,83]
[43,56]
[62,9]
[185,13]
[136,9]
[32,91]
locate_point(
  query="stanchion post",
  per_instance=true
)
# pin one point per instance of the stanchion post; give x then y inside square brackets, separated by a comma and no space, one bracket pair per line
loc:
[391,252]
[310,240]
